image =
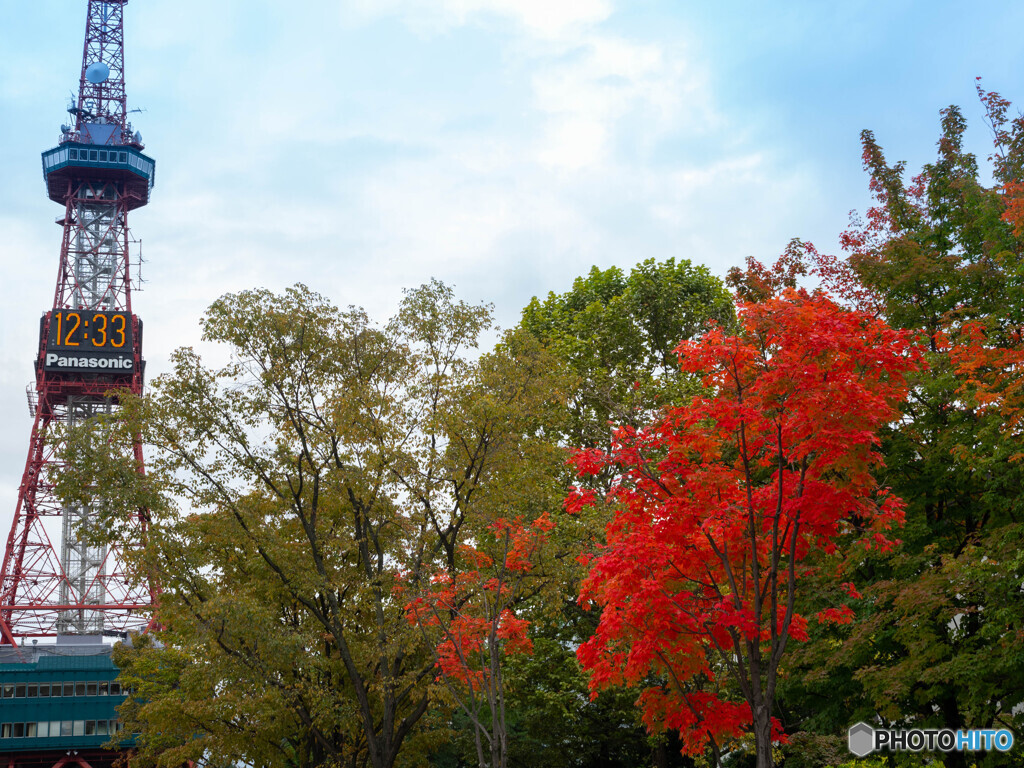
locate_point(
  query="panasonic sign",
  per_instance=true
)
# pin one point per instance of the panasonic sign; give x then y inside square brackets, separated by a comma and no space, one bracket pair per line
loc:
[56,362]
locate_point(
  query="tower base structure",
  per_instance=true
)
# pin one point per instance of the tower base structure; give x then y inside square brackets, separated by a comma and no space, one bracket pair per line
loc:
[67,758]
[58,704]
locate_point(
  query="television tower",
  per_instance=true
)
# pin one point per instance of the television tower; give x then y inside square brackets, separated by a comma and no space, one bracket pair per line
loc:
[56,581]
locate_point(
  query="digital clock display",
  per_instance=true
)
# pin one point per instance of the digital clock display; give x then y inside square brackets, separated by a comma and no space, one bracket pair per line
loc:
[84,340]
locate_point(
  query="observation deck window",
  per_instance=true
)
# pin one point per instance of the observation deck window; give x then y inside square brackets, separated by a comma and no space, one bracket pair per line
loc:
[75,688]
[60,728]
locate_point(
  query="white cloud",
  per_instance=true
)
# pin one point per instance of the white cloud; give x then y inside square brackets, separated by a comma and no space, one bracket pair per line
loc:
[585,81]
[603,75]
[573,143]
[602,81]
[543,18]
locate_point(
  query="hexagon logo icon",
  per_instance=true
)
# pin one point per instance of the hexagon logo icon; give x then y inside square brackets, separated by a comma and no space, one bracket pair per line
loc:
[861,739]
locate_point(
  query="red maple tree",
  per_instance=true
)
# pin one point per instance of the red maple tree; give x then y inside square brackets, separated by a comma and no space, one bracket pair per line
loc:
[991,367]
[719,502]
[1007,157]
[470,620]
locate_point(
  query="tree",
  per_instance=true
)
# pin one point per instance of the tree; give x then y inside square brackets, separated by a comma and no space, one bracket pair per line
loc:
[616,333]
[470,622]
[290,492]
[938,639]
[719,503]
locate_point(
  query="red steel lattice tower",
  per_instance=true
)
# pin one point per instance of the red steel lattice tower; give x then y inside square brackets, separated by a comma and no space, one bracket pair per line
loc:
[55,579]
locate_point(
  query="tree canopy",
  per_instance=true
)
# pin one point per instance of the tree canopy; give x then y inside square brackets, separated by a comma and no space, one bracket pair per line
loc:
[797,507]
[937,639]
[618,333]
[721,501]
[290,493]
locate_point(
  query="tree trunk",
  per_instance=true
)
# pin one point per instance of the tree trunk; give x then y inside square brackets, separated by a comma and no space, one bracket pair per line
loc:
[953,719]
[955,759]
[763,736]
[659,755]
[716,755]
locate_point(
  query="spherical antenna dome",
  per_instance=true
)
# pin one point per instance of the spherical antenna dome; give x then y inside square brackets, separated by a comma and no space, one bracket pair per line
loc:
[97,73]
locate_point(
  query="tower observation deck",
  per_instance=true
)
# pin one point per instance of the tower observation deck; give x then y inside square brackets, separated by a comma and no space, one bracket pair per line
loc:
[58,587]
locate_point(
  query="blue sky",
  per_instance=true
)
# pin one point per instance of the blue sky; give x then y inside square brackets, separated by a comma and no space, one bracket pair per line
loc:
[503,146]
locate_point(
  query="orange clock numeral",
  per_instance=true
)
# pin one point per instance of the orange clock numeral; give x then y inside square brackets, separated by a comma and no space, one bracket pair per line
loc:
[67,339]
[119,333]
[99,329]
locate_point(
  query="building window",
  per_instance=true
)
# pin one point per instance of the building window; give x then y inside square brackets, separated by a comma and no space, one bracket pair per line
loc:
[79,728]
[66,688]
[74,154]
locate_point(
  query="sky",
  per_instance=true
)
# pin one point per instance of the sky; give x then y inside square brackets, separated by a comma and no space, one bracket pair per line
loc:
[502,146]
